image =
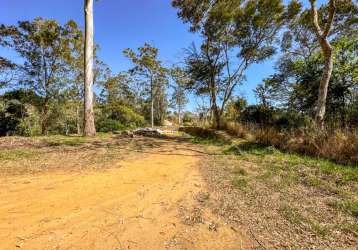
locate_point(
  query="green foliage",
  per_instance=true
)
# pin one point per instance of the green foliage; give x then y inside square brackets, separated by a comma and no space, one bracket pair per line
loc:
[109,125]
[30,125]
[123,114]
[10,117]
[236,35]
[150,71]
[178,99]
[116,116]
[48,50]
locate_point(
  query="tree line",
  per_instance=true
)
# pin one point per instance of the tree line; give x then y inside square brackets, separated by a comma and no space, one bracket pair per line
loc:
[50,89]
[313,44]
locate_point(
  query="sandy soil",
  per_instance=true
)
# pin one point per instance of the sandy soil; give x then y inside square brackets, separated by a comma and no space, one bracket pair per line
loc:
[140,203]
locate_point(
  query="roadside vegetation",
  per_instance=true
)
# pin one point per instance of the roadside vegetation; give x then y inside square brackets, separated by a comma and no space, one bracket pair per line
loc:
[284,200]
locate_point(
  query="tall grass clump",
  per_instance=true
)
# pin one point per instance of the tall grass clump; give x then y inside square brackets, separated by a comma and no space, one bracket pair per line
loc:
[337,145]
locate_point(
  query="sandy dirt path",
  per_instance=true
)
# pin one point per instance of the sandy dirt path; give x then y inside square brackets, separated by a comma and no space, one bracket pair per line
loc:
[141,203]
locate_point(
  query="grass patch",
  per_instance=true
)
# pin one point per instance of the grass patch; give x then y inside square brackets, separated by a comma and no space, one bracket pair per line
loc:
[318,228]
[313,181]
[347,205]
[288,179]
[292,215]
[16,154]
[269,155]
[349,228]
[240,171]
[71,140]
[207,141]
[59,140]
[240,183]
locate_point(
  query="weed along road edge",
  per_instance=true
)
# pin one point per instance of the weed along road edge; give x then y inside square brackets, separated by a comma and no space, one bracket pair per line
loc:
[147,202]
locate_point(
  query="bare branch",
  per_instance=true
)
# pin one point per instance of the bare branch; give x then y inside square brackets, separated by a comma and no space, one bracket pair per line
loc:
[329,24]
[317,28]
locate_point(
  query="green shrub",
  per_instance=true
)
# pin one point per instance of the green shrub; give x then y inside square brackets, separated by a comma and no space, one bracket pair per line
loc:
[29,125]
[109,125]
[123,114]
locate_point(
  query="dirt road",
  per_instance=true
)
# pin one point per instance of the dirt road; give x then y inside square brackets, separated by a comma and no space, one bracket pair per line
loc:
[143,203]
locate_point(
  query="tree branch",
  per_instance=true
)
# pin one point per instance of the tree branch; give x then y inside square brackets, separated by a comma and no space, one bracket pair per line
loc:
[317,28]
[332,11]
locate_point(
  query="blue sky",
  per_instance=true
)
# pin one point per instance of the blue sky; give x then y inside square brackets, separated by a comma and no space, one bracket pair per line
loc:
[121,24]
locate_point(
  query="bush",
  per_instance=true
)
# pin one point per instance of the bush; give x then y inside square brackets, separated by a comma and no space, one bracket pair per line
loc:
[258,114]
[29,125]
[11,116]
[123,114]
[109,125]
[287,120]
[270,116]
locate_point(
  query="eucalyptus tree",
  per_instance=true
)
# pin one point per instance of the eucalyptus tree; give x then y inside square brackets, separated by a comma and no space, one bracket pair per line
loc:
[236,34]
[7,69]
[296,82]
[88,126]
[149,68]
[46,50]
[180,81]
[322,35]
[117,88]
[314,30]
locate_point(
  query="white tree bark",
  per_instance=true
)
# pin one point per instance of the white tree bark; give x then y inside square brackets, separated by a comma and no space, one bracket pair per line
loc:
[152,101]
[89,127]
[179,114]
[328,58]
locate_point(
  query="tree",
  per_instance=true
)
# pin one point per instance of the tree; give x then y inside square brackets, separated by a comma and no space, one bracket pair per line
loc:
[117,89]
[313,29]
[328,57]
[263,94]
[236,35]
[295,84]
[7,68]
[304,49]
[46,49]
[89,125]
[150,70]
[178,97]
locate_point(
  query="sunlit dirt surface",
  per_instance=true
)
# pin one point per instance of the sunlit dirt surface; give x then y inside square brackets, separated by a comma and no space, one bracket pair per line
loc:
[143,201]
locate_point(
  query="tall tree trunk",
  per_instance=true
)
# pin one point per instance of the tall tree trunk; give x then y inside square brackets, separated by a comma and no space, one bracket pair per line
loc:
[179,115]
[323,87]
[88,123]
[79,132]
[217,117]
[44,114]
[328,57]
[152,102]
[214,107]
[44,121]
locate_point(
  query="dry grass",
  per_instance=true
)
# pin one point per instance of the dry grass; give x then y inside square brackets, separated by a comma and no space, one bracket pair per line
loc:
[66,153]
[338,145]
[285,200]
